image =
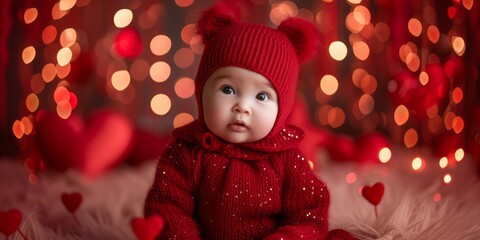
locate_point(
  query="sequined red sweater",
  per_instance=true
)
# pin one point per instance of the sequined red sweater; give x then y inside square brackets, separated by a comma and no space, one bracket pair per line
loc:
[206,188]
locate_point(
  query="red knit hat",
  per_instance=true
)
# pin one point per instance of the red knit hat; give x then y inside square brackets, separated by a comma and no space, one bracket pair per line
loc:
[273,53]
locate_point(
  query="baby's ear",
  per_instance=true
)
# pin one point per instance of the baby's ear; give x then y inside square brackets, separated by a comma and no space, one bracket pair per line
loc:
[215,19]
[302,34]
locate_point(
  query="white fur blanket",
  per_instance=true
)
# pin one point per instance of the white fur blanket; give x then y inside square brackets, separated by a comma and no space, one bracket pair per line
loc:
[407,211]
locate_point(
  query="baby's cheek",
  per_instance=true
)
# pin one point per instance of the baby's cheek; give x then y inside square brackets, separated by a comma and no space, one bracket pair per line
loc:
[264,126]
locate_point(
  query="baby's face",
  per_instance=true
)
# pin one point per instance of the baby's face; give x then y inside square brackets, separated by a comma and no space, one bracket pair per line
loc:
[239,105]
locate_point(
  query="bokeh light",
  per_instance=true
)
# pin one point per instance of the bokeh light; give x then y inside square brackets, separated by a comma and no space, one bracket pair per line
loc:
[447,178]
[57,12]
[185,87]
[385,155]
[61,94]
[128,43]
[362,15]
[443,162]
[361,50]
[329,84]
[415,27]
[188,32]
[423,78]
[150,17]
[160,104]
[32,102]
[184,58]
[458,45]
[418,164]
[336,117]
[49,34]
[160,45]
[184,3]
[351,178]
[28,125]
[358,19]
[382,31]
[28,54]
[354,22]
[283,11]
[458,124]
[338,50]
[65,5]
[468,4]
[410,138]
[49,71]
[357,76]
[401,115]
[366,104]
[322,113]
[120,80]
[459,154]
[196,44]
[18,129]
[160,71]
[123,18]
[68,37]
[457,95]
[437,197]
[62,71]
[64,109]
[36,83]
[182,119]
[433,33]
[30,15]
[355,1]
[64,56]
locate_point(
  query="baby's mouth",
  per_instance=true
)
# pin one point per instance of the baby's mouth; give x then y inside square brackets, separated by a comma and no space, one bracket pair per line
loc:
[238,126]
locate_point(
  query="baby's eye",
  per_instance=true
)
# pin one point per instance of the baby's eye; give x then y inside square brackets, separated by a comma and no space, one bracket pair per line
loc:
[262,97]
[228,90]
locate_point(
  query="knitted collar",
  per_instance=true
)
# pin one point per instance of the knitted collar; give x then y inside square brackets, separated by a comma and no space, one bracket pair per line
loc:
[198,134]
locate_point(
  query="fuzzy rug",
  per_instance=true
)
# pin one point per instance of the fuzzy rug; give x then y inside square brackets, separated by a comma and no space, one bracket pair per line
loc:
[416,205]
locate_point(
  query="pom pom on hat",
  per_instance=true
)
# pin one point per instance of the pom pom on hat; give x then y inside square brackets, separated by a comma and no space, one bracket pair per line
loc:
[302,34]
[215,19]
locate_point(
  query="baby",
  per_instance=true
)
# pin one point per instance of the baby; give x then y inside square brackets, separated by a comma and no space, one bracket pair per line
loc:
[236,172]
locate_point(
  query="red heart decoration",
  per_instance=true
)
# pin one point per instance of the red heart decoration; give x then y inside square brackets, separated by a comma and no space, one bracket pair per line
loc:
[92,147]
[373,194]
[149,228]
[10,221]
[72,201]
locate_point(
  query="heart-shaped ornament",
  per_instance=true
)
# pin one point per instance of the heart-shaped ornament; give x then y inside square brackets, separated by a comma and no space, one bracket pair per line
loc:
[147,228]
[10,221]
[373,194]
[72,201]
[92,147]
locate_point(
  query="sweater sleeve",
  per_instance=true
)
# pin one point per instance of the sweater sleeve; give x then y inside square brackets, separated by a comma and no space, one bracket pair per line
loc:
[171,195]
[305,204]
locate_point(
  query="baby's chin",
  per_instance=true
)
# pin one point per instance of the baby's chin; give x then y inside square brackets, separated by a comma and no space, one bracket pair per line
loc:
[238,138]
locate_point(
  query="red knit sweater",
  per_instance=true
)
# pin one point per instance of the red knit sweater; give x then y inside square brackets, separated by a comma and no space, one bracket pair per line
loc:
[206,188]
